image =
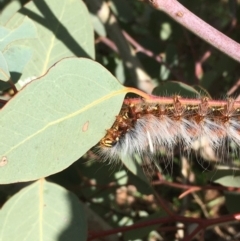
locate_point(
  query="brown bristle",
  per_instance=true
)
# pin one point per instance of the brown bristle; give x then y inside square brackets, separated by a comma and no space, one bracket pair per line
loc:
[195,112]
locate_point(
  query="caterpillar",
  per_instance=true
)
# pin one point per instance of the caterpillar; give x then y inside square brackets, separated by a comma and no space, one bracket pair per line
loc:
[143,127]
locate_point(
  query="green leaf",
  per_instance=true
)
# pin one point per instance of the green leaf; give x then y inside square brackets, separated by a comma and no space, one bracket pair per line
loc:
[208,78]
[4,72]
[166,31]
[64,30]
[11,8]
[17,56]
[119,71]
[98,25]
[171,88]
[20,32]
[56,119]
[135,166]
[43,211]
[229,181]
[227,178]
[122,9]
[232,201]
[203,92]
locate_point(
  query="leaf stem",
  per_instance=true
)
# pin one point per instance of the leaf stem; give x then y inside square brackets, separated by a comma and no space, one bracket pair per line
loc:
[169,100]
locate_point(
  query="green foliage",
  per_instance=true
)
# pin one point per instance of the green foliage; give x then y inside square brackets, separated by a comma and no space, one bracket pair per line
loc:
[49,126]
[15,56]
[59,34]
[172,88]
[37,122]
[43,211]
[227,178]
[62,101]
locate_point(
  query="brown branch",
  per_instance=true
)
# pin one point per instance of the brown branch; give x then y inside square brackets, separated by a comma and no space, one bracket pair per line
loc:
[164,205]
[139,48]
[202,224]
[194,188]
[190,21]
[170,100]
[3,101]
[108,42]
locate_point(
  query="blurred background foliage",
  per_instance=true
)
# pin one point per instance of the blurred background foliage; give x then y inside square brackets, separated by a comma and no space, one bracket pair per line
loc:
[145,48]
[177,53]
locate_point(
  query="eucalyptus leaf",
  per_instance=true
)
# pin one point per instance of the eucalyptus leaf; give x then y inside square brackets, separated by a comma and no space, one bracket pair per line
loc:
[229,181]
[135,166]
[232,201]
[203,92]
[26,29]
[171,88]
[56,119]
[64,29]
[122,9]
[17,56]
[11,8]
[4,71]
[43,211]
[227,178]
[98,25]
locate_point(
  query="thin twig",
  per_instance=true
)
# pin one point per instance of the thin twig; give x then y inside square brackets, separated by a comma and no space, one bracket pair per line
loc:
[149,53]
[195,188]
[108,42]
[163,205]
[234,88]
[202,224]
[140,48]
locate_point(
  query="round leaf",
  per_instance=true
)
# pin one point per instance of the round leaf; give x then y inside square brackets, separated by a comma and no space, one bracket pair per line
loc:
[8,10]
[56,119]
[64,30]
[43,211]
[26,29]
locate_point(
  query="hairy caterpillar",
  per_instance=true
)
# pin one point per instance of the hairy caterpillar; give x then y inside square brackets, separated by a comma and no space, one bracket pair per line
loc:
[144,126]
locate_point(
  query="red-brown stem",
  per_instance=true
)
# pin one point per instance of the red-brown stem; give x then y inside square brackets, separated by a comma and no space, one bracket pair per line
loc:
[194,188]
[3,101]
[170,100]
[202,224]
[149,53]
[108,42]
[140,48]
[163,204]
[190,21]
[138,92]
